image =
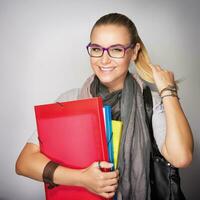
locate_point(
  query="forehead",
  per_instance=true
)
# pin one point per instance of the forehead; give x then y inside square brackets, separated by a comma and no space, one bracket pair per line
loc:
[107,35]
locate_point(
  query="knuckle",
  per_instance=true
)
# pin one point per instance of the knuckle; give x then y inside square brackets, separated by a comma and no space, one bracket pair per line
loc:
[113,188]
[110,195]
[101,176]
[98,189]
[114,181]
[117,173]
[99,184]
[107,195]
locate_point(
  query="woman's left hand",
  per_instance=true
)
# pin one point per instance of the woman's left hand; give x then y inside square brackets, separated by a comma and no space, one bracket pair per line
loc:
[162,77]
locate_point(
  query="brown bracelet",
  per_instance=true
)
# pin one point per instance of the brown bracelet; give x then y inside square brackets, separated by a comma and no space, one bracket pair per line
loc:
[48,172]
[172,95]
[171,88]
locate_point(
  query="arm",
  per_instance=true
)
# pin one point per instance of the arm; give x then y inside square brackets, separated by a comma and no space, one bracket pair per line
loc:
[178,144]
[31,163]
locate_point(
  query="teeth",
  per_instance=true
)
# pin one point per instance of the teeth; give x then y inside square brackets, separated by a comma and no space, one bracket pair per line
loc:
[107,68]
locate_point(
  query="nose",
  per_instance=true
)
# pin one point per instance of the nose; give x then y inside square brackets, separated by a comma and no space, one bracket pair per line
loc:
[105,59]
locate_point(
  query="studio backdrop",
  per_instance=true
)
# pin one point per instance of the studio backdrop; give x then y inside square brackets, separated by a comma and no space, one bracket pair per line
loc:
[43,54]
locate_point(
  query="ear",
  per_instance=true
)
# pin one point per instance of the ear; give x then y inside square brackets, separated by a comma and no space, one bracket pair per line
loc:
[135,52]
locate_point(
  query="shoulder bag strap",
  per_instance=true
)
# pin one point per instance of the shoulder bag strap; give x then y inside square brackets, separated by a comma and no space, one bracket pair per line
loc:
[148,105]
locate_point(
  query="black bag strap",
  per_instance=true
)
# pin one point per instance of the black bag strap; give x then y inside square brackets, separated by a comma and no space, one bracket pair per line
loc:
[148,105]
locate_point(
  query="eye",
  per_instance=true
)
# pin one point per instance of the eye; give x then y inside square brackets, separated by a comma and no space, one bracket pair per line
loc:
[116,49]
[96,49]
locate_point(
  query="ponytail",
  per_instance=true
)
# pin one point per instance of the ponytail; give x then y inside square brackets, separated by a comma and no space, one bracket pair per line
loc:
[142,64]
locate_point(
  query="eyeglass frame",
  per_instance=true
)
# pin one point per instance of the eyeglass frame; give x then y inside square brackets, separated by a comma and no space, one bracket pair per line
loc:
[107,49]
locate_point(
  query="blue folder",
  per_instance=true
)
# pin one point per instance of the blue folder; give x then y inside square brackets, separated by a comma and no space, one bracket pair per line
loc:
[109,135]
[108,124]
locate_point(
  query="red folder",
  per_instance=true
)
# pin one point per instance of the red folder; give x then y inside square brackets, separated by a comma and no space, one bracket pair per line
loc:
[72,134]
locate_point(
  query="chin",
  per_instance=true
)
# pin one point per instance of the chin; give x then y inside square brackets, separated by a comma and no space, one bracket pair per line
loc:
[105,79]
[109,79]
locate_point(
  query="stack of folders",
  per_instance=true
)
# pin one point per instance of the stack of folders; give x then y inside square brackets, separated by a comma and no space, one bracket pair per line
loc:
[113,135]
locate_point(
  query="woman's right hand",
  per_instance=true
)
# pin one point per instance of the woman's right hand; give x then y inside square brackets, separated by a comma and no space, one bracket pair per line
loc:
[99,182]
[31,163]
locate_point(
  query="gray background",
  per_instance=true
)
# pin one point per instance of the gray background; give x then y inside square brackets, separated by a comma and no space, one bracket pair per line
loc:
[42,54]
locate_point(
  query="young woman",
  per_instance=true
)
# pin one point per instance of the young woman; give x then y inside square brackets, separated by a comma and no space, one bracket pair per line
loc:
[114,44]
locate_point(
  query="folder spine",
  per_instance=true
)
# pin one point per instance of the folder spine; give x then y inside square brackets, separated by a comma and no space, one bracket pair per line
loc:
[109,134]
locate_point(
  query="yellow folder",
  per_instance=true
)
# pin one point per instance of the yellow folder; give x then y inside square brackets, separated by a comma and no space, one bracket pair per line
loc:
[117,133]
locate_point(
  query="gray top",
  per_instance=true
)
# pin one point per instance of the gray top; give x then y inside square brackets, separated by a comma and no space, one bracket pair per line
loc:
[158,119]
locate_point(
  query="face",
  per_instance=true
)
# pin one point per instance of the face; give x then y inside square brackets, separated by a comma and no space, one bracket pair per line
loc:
[112,71]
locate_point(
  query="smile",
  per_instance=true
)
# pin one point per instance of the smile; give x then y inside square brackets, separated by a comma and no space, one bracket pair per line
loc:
[107,69]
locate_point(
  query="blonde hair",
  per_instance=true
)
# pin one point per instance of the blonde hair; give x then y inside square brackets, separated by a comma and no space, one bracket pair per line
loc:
[142,62]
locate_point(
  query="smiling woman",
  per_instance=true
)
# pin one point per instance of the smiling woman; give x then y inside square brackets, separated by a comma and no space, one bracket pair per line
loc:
[114,44]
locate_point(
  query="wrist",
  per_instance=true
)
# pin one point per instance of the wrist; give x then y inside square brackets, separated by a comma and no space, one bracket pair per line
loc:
[82,178]
[67,176]
[169,91]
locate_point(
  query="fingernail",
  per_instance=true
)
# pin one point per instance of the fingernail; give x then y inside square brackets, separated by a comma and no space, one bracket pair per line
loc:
[111,164]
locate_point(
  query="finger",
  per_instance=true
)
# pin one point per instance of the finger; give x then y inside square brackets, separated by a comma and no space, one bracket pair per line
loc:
[107,195]
[110,188]
[113,181]
[104,164]
[158,67]
[155,68]
[110,182]
[171,73]
[152,66]
[111,175]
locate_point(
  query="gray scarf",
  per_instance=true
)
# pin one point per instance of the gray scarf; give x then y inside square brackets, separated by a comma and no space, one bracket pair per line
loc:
[134,155]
